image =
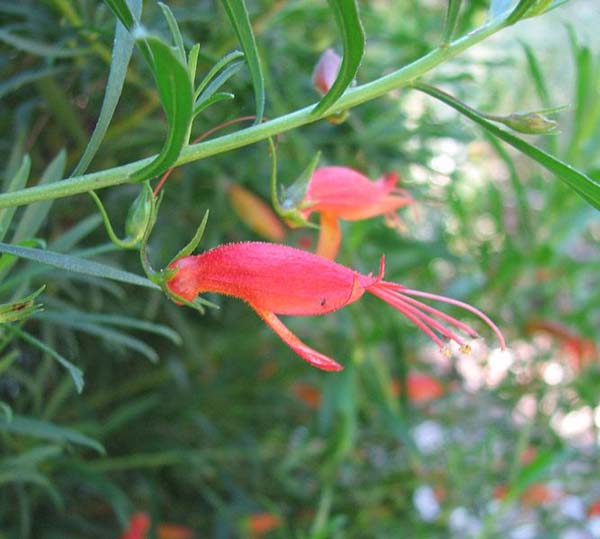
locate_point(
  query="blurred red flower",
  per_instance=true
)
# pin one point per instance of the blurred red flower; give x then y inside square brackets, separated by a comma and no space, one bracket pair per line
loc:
[343,193]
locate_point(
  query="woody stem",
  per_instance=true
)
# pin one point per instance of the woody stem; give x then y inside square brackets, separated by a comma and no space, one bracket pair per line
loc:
[353,97]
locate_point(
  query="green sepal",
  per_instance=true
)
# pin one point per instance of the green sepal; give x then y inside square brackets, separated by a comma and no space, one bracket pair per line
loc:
[293,196]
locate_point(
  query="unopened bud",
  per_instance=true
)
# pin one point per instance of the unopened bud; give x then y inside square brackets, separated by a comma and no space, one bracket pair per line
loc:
[326,70]
[257,215]
[139,215]
[530,123]
[20,309]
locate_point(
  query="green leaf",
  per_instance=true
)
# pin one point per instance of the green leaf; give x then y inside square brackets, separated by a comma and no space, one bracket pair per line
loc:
[32,457]
[227,59]
[451,19]
[586,187]
[17,182]
[120,321]
[25,77]
[122,12]
[218,97]
[121,54]
[112,336]
[77,265]
[39,48]
[6,410]
[177,98]
[7,361]
[175,32]
[353,37]
[238,15]
[536,75]
[35,214]
[46,430]
[75,372]
[30,476]
[223,77]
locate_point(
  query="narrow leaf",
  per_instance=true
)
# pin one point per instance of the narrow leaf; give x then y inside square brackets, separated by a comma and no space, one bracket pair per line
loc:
[202,105]
[121,54]
[120,321]
[176,96]
[39,48]
[175,32]
[451,19]
[25,77]
[7,411]
[218,81]
[586,187]
[35,214]
[75,372]
[353,37]
[16,183]
[110,335]
[77,265]
[122,12]
[240,20]
[227,59]
[36,428]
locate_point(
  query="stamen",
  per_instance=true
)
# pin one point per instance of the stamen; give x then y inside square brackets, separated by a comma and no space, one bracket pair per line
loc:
[406,310]
[446,332]
[465,306]
[450,319]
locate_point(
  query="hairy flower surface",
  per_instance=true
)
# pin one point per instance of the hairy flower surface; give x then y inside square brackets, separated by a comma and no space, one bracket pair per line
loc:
[276,279]
[344,193]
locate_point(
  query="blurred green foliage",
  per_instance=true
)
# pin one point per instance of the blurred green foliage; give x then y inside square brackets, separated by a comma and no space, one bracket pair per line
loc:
[208,420]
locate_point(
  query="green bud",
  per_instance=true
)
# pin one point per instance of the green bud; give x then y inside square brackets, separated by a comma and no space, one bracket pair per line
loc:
[531,123]
[20,309]
[139,215]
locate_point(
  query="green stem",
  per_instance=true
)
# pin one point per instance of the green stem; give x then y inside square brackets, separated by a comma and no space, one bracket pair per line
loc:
[256,133]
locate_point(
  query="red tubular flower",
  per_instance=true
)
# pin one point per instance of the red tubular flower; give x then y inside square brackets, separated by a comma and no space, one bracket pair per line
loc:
[343,193]
[276,279]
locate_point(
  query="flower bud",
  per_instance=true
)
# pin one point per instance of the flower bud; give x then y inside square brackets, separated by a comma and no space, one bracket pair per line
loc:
[326,70]
[530,123]
[20,309]
[257,215]
[139,215]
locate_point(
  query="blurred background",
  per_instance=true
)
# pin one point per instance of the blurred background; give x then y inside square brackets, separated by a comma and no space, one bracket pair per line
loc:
[211,426]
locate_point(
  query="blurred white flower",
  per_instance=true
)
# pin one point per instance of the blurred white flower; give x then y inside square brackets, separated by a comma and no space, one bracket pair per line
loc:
[463,523]
[524,531]
[593,526]
[574,533]
[426,503]
[428,436]
[572,507]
